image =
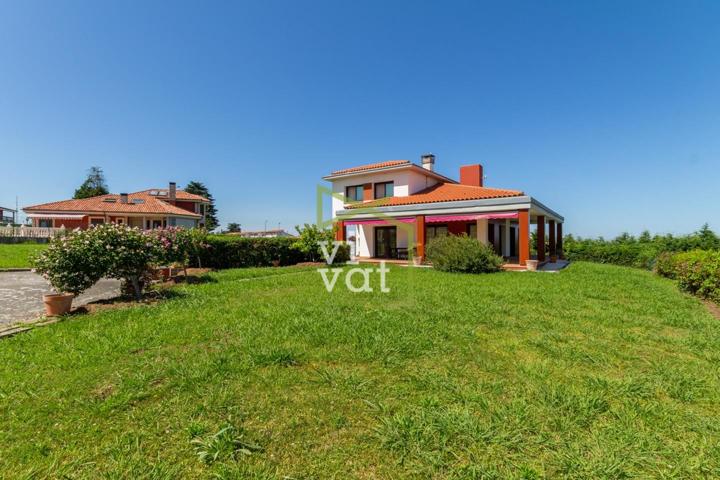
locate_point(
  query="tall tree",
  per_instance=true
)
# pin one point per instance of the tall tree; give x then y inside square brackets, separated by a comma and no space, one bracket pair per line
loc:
[199,188]
[233,227]
[93,185]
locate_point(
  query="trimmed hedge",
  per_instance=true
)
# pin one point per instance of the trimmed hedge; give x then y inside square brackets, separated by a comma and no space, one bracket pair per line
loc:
[460,253]
[225,251]
[697,272]
[640,252]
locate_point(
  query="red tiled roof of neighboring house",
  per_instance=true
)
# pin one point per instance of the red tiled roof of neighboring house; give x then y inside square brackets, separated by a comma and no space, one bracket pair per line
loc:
[179,194]
[372,166]
[442,192]
[138,202]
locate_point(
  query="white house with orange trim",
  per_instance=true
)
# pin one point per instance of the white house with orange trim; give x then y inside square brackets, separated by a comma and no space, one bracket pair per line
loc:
[396,207]
[147,209]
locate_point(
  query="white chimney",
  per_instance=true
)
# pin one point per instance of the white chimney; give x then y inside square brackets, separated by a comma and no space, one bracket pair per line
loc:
[428,161]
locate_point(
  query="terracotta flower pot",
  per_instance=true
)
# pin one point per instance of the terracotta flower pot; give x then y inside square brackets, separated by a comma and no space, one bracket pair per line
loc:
[276,263]
[57,303]
[417,260]
[531,265]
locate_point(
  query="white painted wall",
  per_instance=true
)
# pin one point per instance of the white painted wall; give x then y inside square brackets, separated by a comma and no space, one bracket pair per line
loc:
[406,182]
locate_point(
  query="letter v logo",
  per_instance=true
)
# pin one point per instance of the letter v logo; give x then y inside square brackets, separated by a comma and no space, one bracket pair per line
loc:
[329,284]
[323,247]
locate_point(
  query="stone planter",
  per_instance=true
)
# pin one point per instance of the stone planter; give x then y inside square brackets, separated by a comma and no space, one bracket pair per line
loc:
[531,265]
[417,261]
[57,303]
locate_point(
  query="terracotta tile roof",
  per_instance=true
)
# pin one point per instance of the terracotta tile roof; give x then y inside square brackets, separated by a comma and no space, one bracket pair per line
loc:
[372,166]
[138,202]
[442,192]
[179,194]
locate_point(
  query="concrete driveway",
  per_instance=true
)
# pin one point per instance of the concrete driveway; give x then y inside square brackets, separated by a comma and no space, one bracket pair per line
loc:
[21,295]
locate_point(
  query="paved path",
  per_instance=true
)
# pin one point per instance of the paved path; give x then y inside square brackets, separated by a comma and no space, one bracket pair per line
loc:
[21,295]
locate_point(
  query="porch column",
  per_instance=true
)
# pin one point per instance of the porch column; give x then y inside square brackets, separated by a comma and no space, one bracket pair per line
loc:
[551,237]
[340,232]
[506,238]
[541,238]
[523,236]
[482,230]
[560,241]
[420,236]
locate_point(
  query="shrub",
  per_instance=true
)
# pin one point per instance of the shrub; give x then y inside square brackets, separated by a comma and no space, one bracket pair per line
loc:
[460,253]
[309,241]
[665,265]
[641,252]
[698,272]
[130,254]
[225,251]
[229,251]
[72,263]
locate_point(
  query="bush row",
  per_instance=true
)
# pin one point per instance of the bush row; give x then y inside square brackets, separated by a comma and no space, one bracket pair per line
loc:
[225,251]
[697,271]
[641,252]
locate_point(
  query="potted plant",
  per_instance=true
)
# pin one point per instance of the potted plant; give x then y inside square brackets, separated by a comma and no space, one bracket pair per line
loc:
[531,265]
[72,263]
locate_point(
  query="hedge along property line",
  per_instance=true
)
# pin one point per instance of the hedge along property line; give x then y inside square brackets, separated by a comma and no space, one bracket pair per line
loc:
[697,272]
[222,251]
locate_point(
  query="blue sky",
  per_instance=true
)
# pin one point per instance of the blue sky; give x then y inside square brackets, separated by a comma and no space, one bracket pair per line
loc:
[608,112]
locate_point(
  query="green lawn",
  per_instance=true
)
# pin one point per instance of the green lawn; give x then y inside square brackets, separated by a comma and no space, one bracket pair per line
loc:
[17,255]
[596,372]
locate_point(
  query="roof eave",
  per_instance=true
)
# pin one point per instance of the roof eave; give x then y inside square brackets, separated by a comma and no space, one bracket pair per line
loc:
[356,173]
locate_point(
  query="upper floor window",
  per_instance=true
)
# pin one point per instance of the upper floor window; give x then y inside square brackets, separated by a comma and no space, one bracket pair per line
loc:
[354,193]
[384,189]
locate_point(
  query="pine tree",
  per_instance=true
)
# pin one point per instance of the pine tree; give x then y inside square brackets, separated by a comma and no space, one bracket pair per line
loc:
[93,185]
[198,188]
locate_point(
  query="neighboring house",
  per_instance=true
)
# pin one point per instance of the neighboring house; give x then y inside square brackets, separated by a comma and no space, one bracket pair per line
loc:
[7,215]
[391,203]
[262,233]
[147,209]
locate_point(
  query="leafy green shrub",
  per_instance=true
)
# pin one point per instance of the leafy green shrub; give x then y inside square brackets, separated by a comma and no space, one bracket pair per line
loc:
[641,252]
[460,253]
[229,251]
[72,263]
[226,251]
[698,272]
[665,265]
[130,254]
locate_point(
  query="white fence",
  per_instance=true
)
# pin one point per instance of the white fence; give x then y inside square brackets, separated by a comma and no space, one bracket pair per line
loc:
[30,232]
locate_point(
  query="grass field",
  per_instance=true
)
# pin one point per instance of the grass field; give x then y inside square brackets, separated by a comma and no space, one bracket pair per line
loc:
[17,255]
[595,372]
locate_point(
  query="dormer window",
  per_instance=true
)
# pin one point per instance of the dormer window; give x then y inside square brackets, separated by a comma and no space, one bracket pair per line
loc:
[384,189]
[354,193]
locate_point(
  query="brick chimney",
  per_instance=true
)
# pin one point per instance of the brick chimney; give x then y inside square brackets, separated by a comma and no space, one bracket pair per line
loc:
[123,198]
[471,175]
[172,191]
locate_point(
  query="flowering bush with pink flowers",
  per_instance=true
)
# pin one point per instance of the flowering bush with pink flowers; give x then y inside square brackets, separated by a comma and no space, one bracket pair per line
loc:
[72,263]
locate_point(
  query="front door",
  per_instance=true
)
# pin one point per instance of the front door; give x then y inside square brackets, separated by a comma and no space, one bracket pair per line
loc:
[385,242]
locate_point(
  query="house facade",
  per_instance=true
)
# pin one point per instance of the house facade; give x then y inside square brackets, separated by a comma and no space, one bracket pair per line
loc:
[147,209]
[394,208]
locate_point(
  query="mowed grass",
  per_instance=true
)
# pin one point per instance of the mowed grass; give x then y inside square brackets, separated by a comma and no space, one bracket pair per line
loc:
[595,372]
[17,255]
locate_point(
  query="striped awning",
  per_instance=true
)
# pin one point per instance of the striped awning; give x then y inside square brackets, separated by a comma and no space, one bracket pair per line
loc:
[468,217]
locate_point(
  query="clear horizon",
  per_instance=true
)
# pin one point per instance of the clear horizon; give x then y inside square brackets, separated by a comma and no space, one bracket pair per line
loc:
[605,112]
